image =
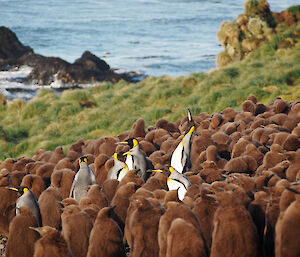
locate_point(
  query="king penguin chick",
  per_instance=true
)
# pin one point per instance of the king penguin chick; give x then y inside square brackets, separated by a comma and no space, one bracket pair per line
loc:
[21,238]
[27,199]
[288,229]
[179,234]
[76,229]
[139,162]
[106,238]
[177,181]
[180,159]
[119,170]
[51,244]
[84,178]
[232,227]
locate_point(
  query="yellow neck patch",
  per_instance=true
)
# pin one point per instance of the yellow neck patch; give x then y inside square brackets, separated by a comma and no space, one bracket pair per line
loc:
[25,190]
[191,130]
[116,156]
[171,169]
[135,142]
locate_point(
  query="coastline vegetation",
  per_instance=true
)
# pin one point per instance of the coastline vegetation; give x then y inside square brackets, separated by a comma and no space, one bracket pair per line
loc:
[50,120]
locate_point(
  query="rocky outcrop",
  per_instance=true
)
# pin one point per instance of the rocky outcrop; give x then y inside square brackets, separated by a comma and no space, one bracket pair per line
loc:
[256,25]
[10,48]
[87,69]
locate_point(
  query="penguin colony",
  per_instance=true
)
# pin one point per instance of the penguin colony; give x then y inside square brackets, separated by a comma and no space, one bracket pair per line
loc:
[226,184]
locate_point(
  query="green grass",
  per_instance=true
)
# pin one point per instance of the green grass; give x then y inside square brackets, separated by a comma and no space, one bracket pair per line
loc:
[50,120]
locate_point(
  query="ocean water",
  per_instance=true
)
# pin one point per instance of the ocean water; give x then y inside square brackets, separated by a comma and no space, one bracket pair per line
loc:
[173,37]
[155,37]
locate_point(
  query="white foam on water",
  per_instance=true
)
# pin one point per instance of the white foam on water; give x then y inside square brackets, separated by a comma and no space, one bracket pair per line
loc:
[17,72]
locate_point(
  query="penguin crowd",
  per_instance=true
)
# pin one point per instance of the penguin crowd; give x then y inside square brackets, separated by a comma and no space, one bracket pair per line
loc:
[219,185]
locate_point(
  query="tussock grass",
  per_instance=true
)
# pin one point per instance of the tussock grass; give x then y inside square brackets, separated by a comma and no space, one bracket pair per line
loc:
[50,120]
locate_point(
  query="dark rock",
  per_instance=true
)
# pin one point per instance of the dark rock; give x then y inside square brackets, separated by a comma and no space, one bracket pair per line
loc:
[88,68]
[11,48]
[91,62]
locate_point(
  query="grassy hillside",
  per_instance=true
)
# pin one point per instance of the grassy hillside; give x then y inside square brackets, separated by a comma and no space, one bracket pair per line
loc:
[50,120]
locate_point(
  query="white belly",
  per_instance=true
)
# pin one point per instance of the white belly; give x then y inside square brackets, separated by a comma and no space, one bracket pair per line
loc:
[174,185]
[176,159]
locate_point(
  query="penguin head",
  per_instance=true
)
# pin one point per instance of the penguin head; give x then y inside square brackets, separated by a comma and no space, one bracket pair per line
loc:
[119,157]
[191,123]
[132,142]
[190,118]
[83,159]
[20,189]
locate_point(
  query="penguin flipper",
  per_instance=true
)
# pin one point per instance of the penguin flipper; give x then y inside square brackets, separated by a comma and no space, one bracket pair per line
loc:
[94,180]
[71,195]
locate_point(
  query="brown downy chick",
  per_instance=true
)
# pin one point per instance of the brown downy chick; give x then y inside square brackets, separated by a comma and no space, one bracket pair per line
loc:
[121,201]
[204,209]
[212,155]
[152,184]
[242,164]
[251,150]
[8,200]
[109,188]
[210,172]
[288,230]
[144,230]
[57,155]
[160,195]
[293,169]
[21,238]
[8,164]
[51,243]
[106,238]
[45,171]
[65,163]
[69,201]
[138,129]
[50,207]
[62,180]
[101,171]
[75,150]
[275,156]
[184,240]
[21,163]
[174,210]
[76,228]
[97,196]
[234,232]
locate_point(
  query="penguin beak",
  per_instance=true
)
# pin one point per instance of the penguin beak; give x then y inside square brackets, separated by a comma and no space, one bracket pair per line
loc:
[127,153]
[157,170]
[12,188]
[122,143]
[213,196]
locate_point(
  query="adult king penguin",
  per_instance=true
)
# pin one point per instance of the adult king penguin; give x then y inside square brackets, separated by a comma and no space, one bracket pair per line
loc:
[27,199]
[180,159]
[139,162]
[119,170]
[177,181]
[84,178]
